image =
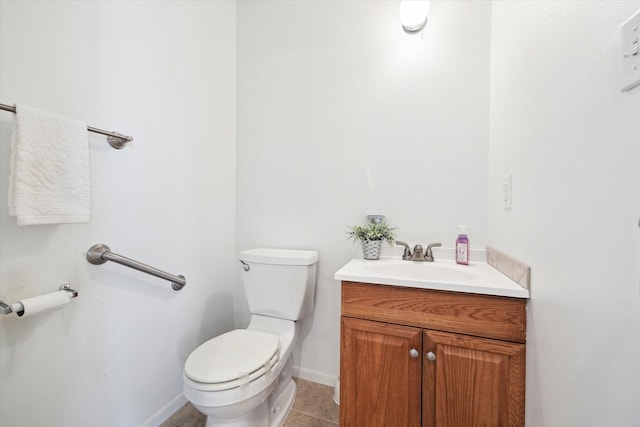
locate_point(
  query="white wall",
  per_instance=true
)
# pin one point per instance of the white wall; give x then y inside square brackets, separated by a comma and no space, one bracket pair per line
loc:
[340,111]
[561,126]
[163,72]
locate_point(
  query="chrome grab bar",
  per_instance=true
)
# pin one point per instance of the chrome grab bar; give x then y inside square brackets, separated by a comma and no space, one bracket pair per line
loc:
[100,253]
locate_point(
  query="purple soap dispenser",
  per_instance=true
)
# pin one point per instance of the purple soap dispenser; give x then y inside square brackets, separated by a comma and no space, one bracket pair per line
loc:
[462,246]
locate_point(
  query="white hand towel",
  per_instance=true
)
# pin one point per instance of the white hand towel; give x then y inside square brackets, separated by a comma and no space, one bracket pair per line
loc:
[49,181]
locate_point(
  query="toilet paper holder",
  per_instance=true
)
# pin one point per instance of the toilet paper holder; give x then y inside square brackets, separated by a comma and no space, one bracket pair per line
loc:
[8,308]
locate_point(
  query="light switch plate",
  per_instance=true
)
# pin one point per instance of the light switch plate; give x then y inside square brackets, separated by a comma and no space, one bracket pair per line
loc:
[506,192]
[630,48]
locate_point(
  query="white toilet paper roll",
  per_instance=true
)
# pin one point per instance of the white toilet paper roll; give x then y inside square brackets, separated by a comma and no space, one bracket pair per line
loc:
[43,303]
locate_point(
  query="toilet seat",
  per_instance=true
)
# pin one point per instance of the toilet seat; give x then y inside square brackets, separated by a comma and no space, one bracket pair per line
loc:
[232,360]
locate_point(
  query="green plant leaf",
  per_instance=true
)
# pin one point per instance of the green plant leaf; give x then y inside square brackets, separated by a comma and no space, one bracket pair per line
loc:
[380,231]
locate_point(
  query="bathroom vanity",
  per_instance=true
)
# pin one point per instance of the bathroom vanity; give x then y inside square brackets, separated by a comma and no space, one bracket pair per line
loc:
[424,353]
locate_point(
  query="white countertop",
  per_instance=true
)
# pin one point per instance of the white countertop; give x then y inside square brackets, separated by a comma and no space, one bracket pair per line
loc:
[444,275]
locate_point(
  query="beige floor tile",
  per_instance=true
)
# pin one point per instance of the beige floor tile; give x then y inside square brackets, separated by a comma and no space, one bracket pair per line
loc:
[298,419]
[187,416]
[316,400]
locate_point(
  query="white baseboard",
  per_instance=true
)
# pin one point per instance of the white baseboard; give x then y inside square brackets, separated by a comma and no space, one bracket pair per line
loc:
[316,377]
[165,412]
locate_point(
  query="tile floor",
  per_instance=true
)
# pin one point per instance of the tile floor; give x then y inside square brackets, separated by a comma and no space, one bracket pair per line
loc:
[313,407]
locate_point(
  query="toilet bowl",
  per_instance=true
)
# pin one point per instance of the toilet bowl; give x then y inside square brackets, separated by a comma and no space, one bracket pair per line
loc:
[244,378]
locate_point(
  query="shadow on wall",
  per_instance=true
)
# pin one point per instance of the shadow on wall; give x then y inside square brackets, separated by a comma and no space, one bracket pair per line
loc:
[214,322]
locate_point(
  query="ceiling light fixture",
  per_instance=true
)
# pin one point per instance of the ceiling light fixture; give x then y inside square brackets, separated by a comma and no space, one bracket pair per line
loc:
[413,15]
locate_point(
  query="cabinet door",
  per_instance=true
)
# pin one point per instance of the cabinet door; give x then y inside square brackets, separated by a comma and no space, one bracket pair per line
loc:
[472,382]
[380,375]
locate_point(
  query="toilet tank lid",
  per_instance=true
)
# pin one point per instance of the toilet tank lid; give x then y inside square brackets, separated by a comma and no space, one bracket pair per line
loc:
[279,256]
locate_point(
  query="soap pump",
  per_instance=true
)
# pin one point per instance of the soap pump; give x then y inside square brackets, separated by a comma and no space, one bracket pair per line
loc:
[462,246]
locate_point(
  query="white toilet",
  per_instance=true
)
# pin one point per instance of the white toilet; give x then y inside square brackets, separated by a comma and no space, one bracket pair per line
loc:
[244,378]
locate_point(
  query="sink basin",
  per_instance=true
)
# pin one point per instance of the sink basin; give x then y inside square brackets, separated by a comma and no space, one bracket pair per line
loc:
[446,275]
[434,271]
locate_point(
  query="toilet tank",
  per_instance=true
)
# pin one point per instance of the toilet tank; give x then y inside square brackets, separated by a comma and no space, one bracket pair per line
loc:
[280,282]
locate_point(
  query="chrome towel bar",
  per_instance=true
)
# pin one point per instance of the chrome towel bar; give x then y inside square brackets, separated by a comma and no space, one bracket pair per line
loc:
[115,139]
[100,253]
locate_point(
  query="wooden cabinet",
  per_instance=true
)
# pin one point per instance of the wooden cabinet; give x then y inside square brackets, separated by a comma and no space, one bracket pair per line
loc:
[472,381]
[380,351]
[417,357]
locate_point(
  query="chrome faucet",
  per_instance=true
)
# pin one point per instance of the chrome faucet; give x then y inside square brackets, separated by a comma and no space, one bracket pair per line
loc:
[418,252]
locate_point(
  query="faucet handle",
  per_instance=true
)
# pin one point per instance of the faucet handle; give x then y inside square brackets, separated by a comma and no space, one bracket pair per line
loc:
[429,256]
[407,252]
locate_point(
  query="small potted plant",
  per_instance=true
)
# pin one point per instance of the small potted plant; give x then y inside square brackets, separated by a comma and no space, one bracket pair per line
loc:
[372,236]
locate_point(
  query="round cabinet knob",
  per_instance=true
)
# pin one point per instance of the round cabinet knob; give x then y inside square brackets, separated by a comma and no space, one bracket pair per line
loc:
[431,356]
[414,353]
